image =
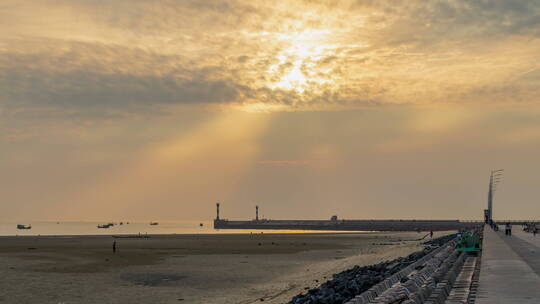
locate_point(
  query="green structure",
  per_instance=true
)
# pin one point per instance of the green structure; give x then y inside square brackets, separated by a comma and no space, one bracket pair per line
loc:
[469,242]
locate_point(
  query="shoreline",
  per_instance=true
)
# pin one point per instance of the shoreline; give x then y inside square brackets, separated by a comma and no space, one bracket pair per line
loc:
[307,232]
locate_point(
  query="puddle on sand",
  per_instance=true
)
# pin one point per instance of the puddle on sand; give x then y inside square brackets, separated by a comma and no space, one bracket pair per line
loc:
[151,279]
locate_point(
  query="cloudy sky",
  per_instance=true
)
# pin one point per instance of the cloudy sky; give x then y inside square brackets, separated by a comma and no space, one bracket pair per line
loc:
[365,109]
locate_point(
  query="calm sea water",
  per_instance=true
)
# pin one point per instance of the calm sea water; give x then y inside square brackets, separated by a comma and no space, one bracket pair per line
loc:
[90,228]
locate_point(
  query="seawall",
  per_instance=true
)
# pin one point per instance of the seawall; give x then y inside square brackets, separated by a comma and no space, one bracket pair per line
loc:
[348,225]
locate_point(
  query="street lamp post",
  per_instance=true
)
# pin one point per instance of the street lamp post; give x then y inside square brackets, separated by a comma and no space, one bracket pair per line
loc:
[494,179]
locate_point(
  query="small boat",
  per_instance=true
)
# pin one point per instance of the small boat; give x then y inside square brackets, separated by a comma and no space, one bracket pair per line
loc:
[105,226]
[21,226]
[154,223]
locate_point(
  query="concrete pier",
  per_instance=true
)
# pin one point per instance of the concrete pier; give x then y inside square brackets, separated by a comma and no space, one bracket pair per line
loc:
[348,225]
[510,269]
[527,237]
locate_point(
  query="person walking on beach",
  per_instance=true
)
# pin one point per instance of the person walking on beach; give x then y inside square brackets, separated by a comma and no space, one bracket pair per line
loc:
[508,229]
[431,234]
[114,247]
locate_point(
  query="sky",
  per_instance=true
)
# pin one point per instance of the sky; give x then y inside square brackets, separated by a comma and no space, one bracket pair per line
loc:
[130,109]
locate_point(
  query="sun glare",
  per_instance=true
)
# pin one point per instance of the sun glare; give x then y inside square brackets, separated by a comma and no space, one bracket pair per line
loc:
[297,67]
[294,79]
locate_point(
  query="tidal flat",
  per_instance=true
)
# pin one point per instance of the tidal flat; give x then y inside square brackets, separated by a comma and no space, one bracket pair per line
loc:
[204,268]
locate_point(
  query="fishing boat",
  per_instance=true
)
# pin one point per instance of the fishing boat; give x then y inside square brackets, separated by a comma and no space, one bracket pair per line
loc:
[154,223]
[22,226]
[105,226]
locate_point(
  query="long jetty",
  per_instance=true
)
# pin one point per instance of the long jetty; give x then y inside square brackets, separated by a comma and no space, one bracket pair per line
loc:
[348,225]
[335,224]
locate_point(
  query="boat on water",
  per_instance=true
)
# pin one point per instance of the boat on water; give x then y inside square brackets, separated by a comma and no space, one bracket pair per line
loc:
[22,226]
[154,223]
[105,226]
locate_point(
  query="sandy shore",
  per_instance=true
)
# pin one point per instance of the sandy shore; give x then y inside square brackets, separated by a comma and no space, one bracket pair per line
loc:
[238,269]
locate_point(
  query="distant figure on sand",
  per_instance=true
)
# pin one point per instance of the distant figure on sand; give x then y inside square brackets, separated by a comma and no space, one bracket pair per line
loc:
[431,234]
[508,229]
[114,247]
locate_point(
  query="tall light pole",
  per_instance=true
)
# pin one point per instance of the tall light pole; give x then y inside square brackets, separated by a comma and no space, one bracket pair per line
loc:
[494,179]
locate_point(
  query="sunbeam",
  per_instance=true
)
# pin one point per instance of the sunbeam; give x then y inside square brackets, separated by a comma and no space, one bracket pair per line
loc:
[216,154]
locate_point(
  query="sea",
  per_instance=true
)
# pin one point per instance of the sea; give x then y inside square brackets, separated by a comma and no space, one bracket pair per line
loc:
[47,228]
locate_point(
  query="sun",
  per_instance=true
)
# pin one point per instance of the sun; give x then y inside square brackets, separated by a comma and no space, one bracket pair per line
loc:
[296,68]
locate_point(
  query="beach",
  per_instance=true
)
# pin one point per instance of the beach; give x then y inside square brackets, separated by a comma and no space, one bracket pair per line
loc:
[204,268]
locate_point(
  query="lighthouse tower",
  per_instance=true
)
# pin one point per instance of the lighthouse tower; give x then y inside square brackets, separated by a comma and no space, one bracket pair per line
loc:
[217,211]
[256,213]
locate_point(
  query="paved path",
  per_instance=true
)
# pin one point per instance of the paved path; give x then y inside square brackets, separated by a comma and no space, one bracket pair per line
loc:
[528,237]
[509,271]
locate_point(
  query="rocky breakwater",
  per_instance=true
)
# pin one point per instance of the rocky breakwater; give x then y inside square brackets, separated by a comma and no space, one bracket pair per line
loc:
[441,240]
[429,282]
[345,285]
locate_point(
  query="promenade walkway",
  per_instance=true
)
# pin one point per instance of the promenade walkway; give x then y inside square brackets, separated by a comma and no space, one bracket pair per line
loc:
[528,237]
[510,270]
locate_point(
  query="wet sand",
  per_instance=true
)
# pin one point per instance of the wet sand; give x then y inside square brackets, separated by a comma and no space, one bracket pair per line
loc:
[238,268]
